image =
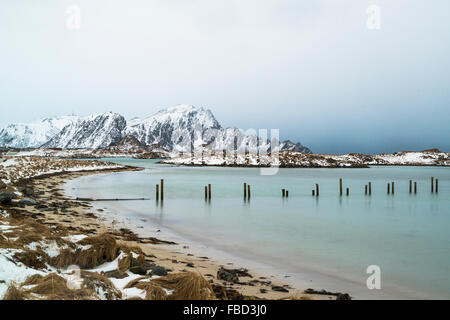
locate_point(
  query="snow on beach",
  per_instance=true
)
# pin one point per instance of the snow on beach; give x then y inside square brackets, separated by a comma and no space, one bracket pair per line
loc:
[12,169]
[26,246]
[41,258]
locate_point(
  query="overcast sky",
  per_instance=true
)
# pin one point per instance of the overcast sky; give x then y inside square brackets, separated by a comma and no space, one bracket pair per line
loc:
[311,68]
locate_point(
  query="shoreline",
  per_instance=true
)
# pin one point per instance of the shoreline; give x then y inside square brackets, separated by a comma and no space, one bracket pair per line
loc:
[191,252]
[308,276]
[80,218]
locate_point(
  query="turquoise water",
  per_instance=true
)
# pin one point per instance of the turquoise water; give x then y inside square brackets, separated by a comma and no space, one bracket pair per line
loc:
[406,235]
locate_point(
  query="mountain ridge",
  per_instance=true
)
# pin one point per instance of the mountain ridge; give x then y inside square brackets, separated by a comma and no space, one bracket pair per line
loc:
[179,128]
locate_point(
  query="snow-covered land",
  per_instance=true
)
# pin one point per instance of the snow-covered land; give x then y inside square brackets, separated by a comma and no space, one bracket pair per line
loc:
[110,152]
[13,169]
[293,159]
[41,258]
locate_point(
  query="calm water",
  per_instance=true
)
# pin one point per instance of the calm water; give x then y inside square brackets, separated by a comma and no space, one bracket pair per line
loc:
[407,236]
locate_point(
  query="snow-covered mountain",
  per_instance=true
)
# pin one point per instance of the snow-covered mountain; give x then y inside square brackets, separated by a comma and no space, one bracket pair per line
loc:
[181,128]
[289,145]
[94,132]
[34,134]
[174,128]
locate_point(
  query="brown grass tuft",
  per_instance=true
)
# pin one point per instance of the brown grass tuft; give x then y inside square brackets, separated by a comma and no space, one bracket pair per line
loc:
[103,248]
[124,263]
[14,293]
[186,286]
[134,282]
[152,289]
[32,280]
[54,287]
[101,285]
[35,259]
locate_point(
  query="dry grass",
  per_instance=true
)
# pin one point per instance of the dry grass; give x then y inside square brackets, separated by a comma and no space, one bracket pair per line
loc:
[54,287]
[50,287]
[103,248]
[134,282]
[28,230]
[14,293]
[153,290]
[124,263]
[35,259]
[32,280]
[186,286]
[101,285]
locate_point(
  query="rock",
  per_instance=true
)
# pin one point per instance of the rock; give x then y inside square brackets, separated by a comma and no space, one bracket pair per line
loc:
[6,197]
[116,274]
[279,289]
[227,275]
[231,275]
[138,270]
[339,295]
[159,271]
[343,296]
[27,202]
[27,191]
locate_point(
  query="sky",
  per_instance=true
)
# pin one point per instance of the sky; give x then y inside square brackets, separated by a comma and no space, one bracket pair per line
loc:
[321,71]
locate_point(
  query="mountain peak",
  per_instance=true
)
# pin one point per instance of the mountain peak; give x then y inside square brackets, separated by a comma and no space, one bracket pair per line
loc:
[181,108]
[34,134]
[96,131]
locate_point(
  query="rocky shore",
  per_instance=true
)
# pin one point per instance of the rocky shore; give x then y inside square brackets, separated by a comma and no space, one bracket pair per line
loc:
[293,159]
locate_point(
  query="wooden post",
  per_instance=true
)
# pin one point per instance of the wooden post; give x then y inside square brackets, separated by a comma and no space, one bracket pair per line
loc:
[209,191]
[206,193]
[340,186]
[249,193]
[365,189]
[317,189]
[162,189]
[157,192]
[348,192]
[437,185]
[245,190]
[388,188]
[415,187]
[283,192]
[370,188]
[410,186]
[313,193]
[392,187]
[432,184]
